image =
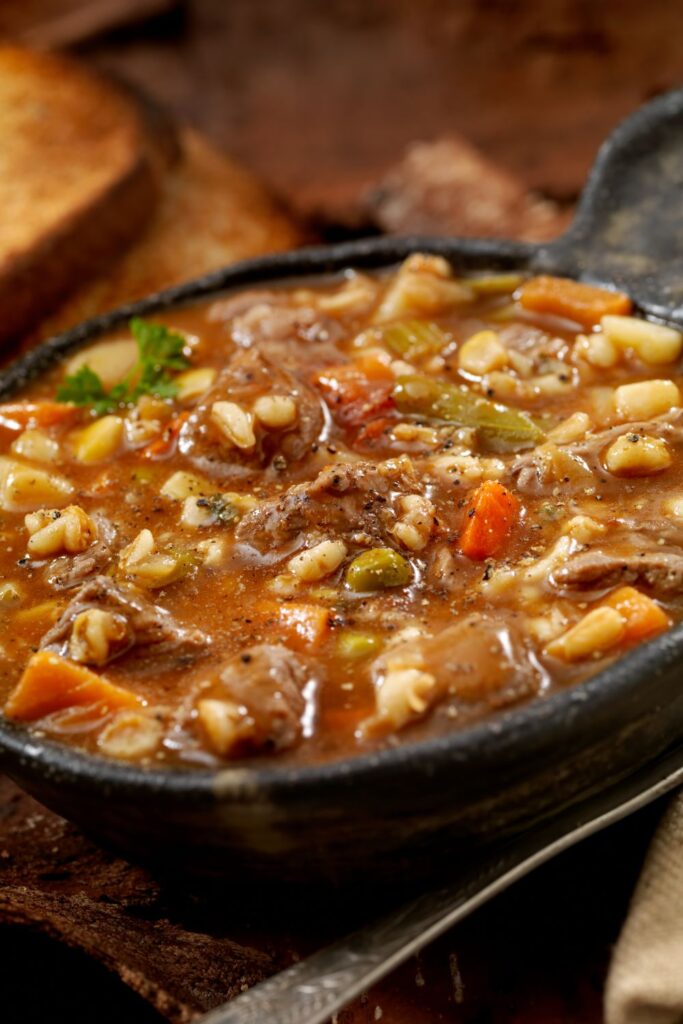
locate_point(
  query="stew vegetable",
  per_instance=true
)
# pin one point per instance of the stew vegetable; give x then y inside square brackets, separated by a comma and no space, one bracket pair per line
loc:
[305,521]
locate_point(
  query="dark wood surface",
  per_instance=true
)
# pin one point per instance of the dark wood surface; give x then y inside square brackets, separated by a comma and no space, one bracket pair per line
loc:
[536,955]
[321,99]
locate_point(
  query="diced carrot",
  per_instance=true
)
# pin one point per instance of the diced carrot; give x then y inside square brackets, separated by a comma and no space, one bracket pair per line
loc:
[644,617]
[491,513]
[301,624]
[38,414]
[372,367]
[573,300]
[305,626]
[373,431]
[52,683]
[165,443]
[353,397]
[380,400]
[367,365]
[341,381]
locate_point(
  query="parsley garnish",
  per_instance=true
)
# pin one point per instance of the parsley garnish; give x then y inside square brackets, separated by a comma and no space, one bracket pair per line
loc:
[84,387]
[220,507]
[159,351]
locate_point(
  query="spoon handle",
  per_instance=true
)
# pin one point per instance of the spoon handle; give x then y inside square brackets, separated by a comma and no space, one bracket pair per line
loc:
[628,229]
[313,990]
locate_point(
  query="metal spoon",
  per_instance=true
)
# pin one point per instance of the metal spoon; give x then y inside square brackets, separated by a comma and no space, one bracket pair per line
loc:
[313,990]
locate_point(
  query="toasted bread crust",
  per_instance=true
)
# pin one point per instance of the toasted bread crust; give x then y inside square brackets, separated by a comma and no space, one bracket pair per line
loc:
[78,179]
[211,213]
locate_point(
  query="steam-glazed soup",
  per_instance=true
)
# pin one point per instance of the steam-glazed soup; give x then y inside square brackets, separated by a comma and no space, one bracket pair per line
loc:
[304,521]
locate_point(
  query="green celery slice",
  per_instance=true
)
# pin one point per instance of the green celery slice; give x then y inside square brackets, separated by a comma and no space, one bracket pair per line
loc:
[498,427]
[412,339]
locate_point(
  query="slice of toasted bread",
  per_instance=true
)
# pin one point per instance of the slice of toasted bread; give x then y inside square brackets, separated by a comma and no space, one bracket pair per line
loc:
[79,176]
[212,212]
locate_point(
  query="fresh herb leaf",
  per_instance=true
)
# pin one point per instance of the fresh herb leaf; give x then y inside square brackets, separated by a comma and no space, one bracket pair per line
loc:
[162,386]
[223,509]
[84,387]
[159,351]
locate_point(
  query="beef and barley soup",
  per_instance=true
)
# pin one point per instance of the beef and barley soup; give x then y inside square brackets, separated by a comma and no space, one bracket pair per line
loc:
[304,521]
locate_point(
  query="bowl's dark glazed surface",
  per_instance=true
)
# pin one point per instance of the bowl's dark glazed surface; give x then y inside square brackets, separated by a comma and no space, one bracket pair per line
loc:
[402,811]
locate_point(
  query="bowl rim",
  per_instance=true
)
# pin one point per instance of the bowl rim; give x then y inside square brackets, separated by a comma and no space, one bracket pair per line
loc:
[506,738]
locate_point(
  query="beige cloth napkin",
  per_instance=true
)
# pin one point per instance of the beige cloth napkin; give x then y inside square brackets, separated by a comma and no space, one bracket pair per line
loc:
[645,981]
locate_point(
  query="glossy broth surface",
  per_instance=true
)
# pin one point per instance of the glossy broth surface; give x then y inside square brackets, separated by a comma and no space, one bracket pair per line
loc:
[326,517]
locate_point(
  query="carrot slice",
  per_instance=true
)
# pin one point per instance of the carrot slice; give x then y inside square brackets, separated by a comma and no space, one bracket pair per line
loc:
[374,430]
[644,617]
[573,300]
[372,367]
[491,513]
[38,414]
[355,398]
[305,625]
[52,683]
[165,443]
[301,624]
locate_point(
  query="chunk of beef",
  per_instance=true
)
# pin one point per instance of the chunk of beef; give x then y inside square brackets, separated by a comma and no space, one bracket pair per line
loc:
[146,633]
[69,571]
[475,664]
[227,309]
[572,465]
[345,499]
[445,570]
[264,687]
[668,426]
[595,569]
[248,376]
[480,659]
[540,471]
[532,342]
[268,321]
[654,530]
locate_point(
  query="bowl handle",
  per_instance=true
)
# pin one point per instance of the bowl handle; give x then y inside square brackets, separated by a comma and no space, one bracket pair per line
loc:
[628,229]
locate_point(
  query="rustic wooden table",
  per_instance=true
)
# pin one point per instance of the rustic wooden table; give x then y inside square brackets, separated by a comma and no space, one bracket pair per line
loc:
[536,955]
[320,99]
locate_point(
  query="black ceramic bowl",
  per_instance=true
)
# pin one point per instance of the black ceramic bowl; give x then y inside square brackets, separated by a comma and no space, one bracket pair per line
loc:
[402,811]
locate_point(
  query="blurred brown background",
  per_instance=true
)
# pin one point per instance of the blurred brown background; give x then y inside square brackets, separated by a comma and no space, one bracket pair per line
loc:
[322,100]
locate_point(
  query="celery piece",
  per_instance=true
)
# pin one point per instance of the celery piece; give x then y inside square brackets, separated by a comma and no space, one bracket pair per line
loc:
[495,284]
[412,339]
[498,427]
